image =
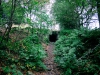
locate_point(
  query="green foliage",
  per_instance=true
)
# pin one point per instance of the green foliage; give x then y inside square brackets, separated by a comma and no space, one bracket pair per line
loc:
[22,8]
[12,70]
[23,55]
[42,35]
[27,54]
[77,53]
[73,14]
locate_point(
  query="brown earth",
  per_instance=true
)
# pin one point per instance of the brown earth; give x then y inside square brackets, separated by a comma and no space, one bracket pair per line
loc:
[49,62]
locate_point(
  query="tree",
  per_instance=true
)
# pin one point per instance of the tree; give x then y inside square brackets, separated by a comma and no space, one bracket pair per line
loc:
[16,11]
[8,29]
[98,10]
[1,10]
[73,14]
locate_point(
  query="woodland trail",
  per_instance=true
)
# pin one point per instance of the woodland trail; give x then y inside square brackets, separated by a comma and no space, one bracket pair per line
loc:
[49,62]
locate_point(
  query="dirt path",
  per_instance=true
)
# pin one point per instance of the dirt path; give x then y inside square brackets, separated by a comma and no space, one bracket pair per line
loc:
[49,62]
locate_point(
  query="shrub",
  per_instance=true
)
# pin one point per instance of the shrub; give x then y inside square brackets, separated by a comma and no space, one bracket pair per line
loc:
[23,55]
[75,53]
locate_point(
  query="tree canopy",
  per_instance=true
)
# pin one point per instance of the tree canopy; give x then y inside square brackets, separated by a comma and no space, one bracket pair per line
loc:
[73,14]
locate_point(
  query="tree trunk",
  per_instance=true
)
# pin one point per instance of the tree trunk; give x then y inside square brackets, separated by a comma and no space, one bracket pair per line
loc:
[1,9]
[98,10]
[10,19]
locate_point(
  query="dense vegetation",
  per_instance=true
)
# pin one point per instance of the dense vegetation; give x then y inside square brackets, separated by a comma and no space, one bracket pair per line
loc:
[73,14]
[21,47]
[22,55]
[77,50]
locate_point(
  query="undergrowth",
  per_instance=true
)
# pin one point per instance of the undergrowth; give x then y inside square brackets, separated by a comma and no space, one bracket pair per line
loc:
[77,52]
[18,57]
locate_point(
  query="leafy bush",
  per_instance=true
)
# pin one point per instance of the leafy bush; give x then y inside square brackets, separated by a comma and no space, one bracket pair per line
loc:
[23,55]
[77,53]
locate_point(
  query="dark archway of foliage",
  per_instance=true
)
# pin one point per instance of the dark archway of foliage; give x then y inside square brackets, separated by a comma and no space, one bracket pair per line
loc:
[77,52]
